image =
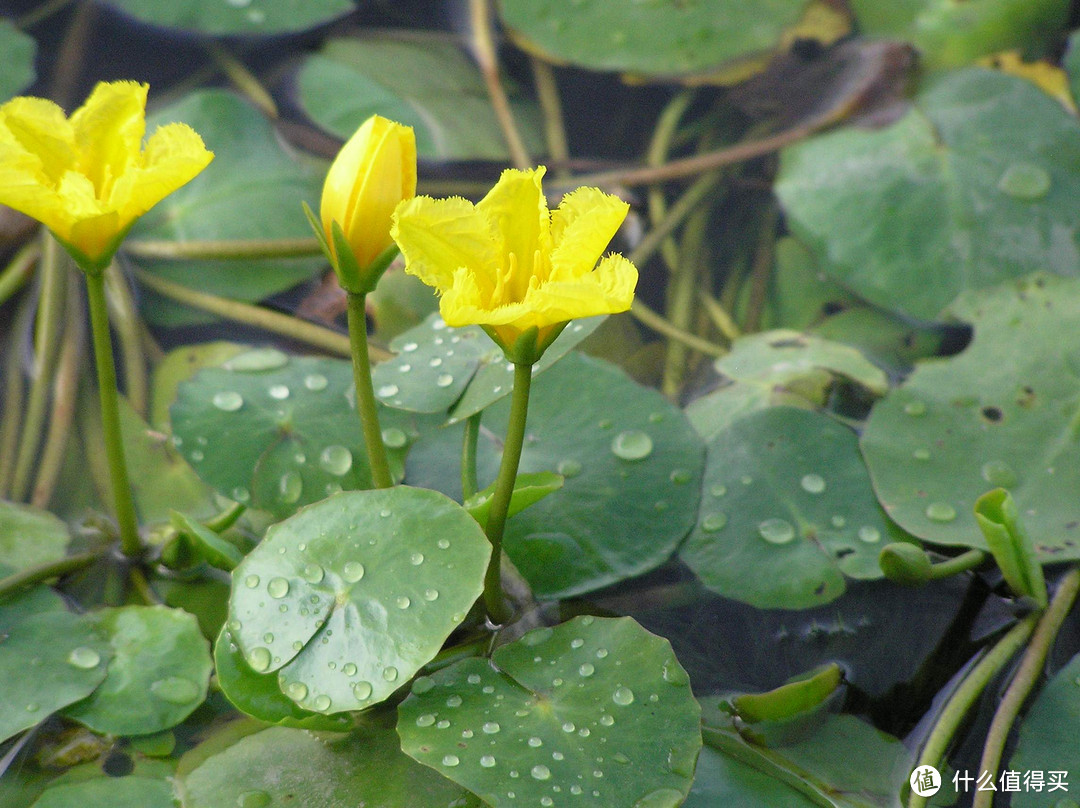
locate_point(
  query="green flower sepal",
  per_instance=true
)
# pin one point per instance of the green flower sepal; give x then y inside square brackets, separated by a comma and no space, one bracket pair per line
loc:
[352,278]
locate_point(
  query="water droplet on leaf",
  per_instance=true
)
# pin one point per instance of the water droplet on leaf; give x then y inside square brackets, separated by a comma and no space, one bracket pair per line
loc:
[776,531]
[277,588]
[228,401]
[83,657]
[632,444]
[336,460]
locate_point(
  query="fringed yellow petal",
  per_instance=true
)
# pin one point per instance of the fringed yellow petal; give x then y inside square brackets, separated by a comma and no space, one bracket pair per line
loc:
[608,289]
[581,228]
[175,154]
[109,129]
[37,128]
[437,237]
[518,211]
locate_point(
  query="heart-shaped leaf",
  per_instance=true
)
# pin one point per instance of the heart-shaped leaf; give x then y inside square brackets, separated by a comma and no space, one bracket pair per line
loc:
[351,596]
[594,712]
[234,16]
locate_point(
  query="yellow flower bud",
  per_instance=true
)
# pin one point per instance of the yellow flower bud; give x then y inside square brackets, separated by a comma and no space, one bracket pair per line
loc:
[373,172]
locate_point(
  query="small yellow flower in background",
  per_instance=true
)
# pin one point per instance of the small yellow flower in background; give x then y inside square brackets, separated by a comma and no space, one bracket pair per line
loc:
[88,178]
[373,172]
[512,266]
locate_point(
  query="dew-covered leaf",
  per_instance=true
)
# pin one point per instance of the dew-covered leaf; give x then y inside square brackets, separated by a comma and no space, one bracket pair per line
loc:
[48,661]
[434,88]
[18,49]
[972,186]
[596,711]
[258,694]
[787,512]
[158,675]
[659,38]
[179,365]
[30,536]
[279,432]
[250,17]
[1046,741]
[350,597]
[438,367]
[631,466]
[1003,413]
[252,190]
[292,767]
[950,34]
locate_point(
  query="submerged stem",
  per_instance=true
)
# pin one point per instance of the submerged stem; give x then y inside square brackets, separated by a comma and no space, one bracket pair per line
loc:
[504,489]
[468,455]
[365,393]
[126,520]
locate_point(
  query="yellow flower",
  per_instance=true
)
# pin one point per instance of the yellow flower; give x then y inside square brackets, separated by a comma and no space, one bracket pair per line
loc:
[373,172]
[88,178]
[512,266]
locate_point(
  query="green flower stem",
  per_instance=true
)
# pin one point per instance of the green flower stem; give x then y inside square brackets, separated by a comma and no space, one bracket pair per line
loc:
[658,324]
[504,488]
[130,543]
[968,560]
[243,79]
[1025,678]
[365,393]
[14,390]
[125,320]
[468,456]
[686,204]
[224,250]
[19,270]
[681,298]
[43,572]
[291,327]
[666,127]
[954,711]
[719,316]
[65,394]
[48,335]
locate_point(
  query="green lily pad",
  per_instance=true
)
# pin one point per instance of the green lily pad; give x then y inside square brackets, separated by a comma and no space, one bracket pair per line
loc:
[252,190]
[631,466]
[158,675]
[781,367]
[434,87]
[889,341]
[800,295]
[350,597]
[279,768]
[787,512]
[951,34]
[179,365]
[1046,741]
[262,17]
[973,186]
[438,367]
[30,536]
[723,780]
[279,432]
[1003,413]
[594,712]
[650,37]
[258,694]
[18,49]
[109,792]
[48,661]
[26,603]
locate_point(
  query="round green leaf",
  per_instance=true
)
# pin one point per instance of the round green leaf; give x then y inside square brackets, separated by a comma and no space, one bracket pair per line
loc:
[18,49]
[252,190]
[787,512]
[235,16]
[30,536]
[434,87]
[631,464]
[1047,738]
[158,675]
[47,661]
[26,603]
[278,432]
[650,37]
[595,712]
[282,768]
[109,792]
[350,597]
[259,696]
[723,780]
[1000,414]
[974,185]
[950,34]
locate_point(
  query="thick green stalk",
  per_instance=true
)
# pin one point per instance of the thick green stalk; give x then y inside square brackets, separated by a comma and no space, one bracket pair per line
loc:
[468,456]
[968,560]
[504,490]
[365,393]
[43,572]
[1025,678]
[126,324]
[952,715]
[126,520]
